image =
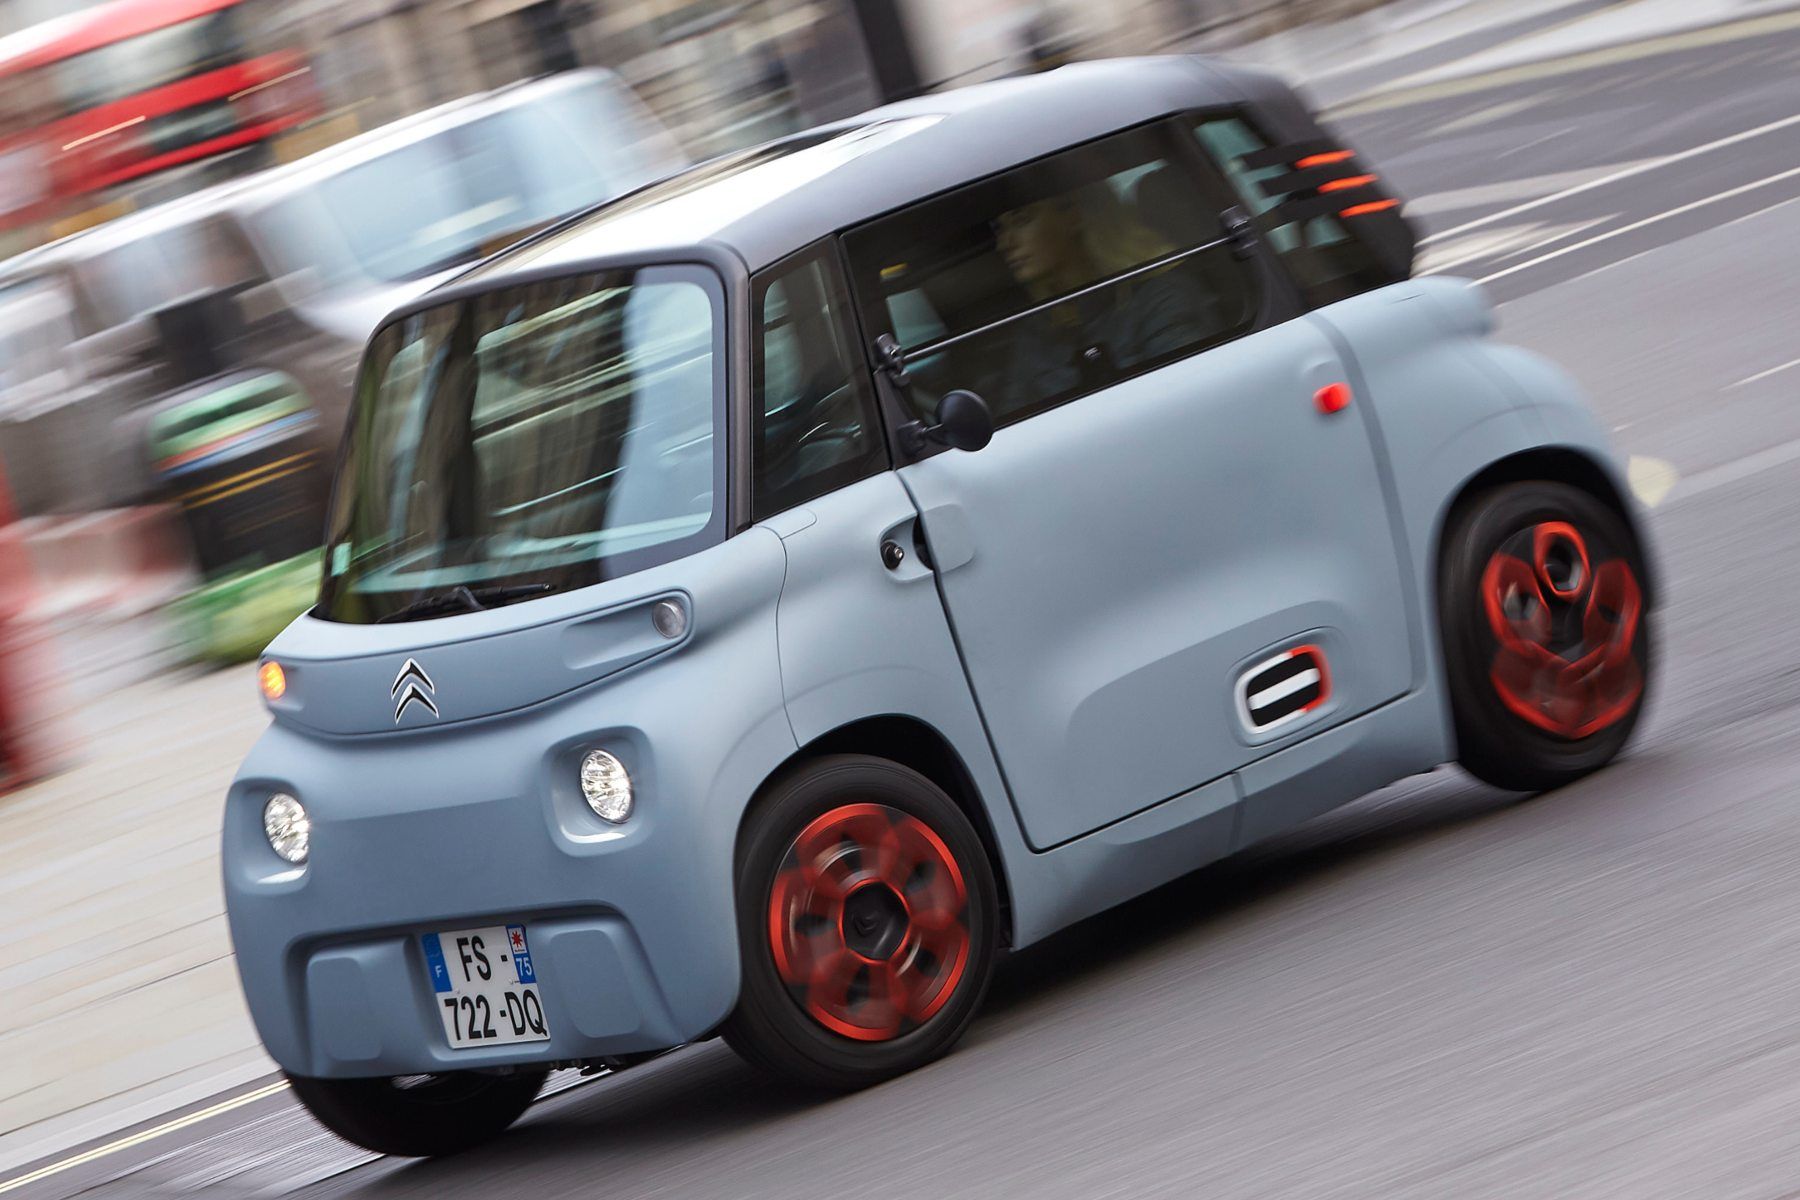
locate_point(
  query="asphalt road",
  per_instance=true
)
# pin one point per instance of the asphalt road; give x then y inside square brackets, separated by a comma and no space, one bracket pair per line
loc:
[1441,991]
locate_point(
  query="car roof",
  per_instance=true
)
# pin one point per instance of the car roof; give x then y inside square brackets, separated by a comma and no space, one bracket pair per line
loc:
[255,191]
[767,202]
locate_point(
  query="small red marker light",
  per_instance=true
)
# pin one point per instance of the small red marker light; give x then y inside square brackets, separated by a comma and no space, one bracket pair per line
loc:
[1333,397]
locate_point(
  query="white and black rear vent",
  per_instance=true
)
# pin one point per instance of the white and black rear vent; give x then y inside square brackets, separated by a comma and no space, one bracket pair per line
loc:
[1281,690]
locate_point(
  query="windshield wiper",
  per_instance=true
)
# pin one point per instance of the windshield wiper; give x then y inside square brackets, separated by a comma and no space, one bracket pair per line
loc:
[463,598]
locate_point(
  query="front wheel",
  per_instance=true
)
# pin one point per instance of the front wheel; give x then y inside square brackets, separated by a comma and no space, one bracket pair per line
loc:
[867,920]
[420,1116]
[1547,644]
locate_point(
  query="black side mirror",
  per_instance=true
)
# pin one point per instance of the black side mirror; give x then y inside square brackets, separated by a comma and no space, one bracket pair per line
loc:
[963,423]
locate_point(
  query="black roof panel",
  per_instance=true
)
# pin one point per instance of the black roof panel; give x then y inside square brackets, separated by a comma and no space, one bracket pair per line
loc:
[768,202]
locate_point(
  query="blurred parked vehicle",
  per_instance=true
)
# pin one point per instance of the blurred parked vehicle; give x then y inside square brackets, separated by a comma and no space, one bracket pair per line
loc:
[202,351]
[304,260]
[125,89]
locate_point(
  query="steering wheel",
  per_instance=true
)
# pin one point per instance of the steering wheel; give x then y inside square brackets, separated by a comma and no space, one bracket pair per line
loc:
[817,425]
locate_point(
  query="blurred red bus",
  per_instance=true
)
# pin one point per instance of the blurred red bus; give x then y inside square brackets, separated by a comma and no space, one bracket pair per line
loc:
[124,89]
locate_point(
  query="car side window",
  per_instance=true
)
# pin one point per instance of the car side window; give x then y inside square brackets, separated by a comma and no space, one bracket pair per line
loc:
[1058,278]
[816,424]
[1307,203]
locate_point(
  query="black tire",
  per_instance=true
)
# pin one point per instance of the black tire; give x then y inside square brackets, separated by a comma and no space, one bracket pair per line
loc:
[778,1030]
[1532,739]
[421,1116]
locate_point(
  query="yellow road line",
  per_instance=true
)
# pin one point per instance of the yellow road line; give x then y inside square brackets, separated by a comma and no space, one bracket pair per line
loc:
[244,476]
[1712,35]
[259,481]
[138,1139]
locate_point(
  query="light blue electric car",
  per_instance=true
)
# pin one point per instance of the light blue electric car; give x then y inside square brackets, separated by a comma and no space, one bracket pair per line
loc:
[753,604]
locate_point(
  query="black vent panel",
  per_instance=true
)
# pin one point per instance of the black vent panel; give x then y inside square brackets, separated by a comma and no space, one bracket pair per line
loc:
[1283,689]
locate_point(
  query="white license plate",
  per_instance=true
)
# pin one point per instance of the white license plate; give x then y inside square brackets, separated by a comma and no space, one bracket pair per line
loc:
[485,986]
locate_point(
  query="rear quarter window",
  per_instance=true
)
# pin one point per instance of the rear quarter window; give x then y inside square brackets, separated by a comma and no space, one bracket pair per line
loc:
[1333,232]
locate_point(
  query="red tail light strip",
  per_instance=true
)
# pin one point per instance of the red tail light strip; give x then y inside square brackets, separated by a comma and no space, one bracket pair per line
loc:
[1324,160]
[1348,182]
[1376,206]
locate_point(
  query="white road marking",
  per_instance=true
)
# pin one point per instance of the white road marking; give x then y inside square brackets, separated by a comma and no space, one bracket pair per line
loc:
[138,1139]
[1762,375]
[1536,142]
[1508,190]
[1637,225]
[1492,112]
[1616,176]
[1631,258]
[1499,244]
[1741,469]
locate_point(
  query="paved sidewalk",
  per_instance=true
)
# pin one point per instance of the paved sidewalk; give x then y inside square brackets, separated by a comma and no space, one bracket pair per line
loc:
[117,990]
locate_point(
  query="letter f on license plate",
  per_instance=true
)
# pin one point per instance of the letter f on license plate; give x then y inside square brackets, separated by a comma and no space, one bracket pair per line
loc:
[485,986]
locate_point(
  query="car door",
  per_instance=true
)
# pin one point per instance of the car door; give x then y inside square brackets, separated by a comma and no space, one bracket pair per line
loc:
[1175,555]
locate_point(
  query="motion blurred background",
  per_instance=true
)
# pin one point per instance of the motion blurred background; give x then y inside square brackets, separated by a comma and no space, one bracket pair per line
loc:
[207,205]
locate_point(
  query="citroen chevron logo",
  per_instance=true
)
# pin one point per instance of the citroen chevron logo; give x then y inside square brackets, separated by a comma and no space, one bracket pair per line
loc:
[412,686]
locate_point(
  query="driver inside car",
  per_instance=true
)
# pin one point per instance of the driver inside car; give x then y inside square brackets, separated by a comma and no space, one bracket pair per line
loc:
[1061,244]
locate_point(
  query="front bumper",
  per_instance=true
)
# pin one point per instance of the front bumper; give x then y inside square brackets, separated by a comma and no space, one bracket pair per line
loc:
[633,927]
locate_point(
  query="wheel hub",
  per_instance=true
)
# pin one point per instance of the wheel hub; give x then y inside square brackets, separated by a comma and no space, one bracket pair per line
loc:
[875,921]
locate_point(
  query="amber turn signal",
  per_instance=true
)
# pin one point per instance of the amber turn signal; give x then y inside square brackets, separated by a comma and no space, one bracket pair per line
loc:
[273,681]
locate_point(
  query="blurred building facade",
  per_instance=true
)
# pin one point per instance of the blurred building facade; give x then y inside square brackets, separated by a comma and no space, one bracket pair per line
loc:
[721,74]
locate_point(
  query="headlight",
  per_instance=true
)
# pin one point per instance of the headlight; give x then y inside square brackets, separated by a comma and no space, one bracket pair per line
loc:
[288,829]
[606,786]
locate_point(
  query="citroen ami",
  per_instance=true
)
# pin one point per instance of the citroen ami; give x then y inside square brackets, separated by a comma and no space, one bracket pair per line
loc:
[752,606]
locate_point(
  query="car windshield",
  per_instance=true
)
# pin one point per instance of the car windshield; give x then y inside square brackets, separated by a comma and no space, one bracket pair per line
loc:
[536,438]
[471,189]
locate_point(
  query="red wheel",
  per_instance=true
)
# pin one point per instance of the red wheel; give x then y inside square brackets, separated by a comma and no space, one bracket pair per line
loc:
[1564,631]
[868,920]
[1546,634]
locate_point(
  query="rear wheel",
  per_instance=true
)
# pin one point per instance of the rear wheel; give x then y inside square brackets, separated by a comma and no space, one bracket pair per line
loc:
[420,1116]
[867,921]
[1546,641]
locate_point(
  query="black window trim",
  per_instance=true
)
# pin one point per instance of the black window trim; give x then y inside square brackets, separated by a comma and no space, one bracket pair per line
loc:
[1271,302]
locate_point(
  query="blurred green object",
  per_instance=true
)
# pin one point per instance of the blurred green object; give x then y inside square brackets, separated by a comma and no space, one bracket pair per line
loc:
[202,423]
[235,452]
[231,619]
